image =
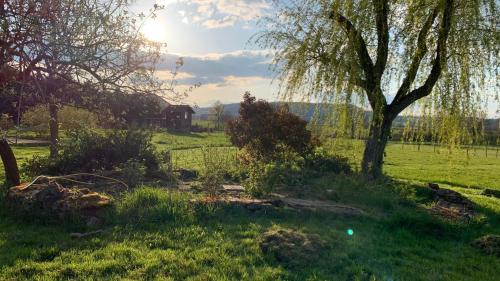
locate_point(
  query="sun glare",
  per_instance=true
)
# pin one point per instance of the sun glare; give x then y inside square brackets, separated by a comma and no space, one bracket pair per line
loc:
[155,31]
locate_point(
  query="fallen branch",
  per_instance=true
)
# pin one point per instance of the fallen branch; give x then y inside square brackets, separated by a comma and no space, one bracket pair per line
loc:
[77,235]
[68,178]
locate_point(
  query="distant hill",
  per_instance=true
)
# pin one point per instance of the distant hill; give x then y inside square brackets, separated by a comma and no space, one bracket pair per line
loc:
[307,112]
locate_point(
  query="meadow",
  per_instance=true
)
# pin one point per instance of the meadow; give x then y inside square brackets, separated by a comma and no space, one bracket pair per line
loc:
[154,234]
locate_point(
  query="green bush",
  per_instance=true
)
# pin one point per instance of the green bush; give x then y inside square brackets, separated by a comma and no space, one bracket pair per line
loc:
[321,162]
[290,169]
[215,168]
[151,205]
[89,151]
[262,178]
[133,172]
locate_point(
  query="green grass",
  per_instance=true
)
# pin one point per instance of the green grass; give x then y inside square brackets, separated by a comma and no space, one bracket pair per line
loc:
[179,141]
[430,164]
[155,234]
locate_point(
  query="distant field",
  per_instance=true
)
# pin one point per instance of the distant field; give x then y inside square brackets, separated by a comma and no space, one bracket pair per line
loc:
[404,162]
[480,169]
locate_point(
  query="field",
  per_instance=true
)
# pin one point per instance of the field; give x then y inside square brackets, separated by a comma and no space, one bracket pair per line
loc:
[398,241]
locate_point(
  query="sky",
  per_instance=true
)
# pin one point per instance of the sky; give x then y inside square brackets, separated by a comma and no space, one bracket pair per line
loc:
[212,37]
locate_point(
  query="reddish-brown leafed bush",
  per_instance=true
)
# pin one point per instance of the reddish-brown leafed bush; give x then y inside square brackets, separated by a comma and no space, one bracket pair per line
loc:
[264,131]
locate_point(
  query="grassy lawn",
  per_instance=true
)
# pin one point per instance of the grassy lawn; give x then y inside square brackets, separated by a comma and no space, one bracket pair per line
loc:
[398,242]
[170,240]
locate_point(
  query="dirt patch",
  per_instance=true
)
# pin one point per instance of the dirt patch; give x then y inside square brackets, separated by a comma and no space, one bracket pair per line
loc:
[53,199]
[291,247]
[488,244]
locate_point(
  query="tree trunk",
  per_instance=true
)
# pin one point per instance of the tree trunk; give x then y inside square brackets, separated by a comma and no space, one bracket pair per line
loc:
[9,163]
[373,157]
[54,129]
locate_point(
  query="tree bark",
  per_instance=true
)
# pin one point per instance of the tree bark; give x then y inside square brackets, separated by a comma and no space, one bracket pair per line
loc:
[54,129]
[9,163]
[373,156]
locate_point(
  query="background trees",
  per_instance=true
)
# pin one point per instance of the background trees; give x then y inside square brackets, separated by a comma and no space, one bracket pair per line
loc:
[217,114]
[372,51]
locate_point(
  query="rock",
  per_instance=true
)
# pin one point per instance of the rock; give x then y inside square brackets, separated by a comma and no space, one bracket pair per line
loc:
[488,244]
[433,186]
[233,188]
[491,193]
[53,199]
[247,203]
[290,247]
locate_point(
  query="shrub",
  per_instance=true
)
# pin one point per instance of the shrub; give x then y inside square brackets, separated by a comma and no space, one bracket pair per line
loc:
[262,178]
[321,162]
[214,168]
[88,151]
[133,172]
[291,169]
[263,129]
[6,122]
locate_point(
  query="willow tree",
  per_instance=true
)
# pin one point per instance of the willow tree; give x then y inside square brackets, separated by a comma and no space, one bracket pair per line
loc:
[389,53]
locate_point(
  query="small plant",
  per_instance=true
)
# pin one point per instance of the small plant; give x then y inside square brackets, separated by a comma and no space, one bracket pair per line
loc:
[262,178]
[132,172]
[213,170]
[166,170]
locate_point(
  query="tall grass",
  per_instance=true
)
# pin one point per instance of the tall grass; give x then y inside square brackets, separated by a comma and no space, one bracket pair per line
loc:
[147,205]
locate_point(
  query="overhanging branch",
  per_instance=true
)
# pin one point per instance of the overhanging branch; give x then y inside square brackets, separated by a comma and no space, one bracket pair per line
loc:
[357,41]
[381,8]
[437,66]
[420,52]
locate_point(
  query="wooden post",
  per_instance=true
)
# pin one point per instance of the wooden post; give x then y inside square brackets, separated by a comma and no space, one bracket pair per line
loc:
[9,163]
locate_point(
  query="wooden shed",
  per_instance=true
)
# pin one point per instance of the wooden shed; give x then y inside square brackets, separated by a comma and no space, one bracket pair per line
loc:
[178,117]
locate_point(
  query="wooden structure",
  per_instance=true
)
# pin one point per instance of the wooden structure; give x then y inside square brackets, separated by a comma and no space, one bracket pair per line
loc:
[178,117]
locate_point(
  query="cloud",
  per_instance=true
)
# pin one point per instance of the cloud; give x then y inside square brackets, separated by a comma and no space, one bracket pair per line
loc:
[221,13]
[220,69]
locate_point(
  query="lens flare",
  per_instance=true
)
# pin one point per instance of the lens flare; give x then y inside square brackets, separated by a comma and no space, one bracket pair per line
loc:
[350,232]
